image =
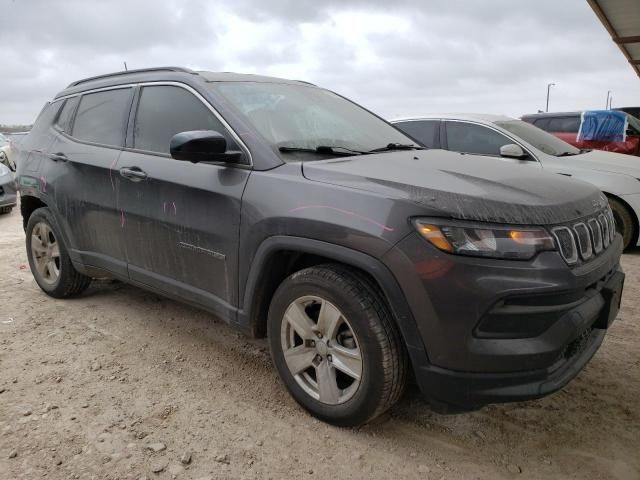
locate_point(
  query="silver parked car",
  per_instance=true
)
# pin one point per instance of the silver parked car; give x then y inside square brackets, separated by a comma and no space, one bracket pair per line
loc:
[515,141]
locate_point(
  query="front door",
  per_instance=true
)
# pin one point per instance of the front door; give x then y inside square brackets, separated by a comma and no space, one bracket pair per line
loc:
[180,220]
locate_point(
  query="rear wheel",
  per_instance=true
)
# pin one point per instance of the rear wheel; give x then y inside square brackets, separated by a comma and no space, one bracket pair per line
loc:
[625,224]
[49,260]
[335,345]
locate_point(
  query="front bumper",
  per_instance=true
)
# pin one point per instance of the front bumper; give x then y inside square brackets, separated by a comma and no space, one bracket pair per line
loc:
[8,196]
[545,321]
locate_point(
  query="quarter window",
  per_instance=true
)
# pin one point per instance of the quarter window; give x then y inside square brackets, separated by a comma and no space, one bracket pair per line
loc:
[164,111]
[64,119]
[102,117]
[470,138]
[425,132]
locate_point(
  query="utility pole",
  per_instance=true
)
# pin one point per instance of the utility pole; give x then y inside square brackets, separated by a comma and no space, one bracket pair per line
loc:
[549,85]
[607,104]
[125,67]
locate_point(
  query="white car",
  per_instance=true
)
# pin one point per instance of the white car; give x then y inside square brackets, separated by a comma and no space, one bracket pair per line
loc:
[515,141]
[8,144]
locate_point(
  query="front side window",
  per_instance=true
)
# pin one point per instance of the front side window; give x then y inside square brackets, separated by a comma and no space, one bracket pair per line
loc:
[102,117]
[425,131]
[538,138]
[164,111]
[469,138]
[304,116]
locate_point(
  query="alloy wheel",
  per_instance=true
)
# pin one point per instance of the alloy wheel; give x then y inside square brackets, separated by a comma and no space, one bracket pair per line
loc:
[45,252]
[321,350]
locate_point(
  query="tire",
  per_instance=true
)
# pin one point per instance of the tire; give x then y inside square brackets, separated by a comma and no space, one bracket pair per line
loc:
[625,222]
[5,210]
[51,267]
[364,329]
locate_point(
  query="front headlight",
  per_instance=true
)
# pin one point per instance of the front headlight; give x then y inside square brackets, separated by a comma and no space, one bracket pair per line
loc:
[485,240]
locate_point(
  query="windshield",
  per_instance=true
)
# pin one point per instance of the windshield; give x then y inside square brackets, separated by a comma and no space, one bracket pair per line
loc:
[293,117]
[538,138]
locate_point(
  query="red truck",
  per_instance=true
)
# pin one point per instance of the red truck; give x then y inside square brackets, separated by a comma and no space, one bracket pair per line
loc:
[610,130]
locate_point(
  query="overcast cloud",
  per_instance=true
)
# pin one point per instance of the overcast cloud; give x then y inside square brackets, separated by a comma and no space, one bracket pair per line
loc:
[397,58]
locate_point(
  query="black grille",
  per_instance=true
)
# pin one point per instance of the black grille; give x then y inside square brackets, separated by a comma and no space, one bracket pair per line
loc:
[587,238]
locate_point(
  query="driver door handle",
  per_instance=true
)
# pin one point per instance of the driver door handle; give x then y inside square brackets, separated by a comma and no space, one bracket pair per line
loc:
[58,157]
[134,174]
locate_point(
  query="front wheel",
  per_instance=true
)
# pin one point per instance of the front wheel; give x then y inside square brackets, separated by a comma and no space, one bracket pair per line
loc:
[336,346]
[49,260]
[625,224]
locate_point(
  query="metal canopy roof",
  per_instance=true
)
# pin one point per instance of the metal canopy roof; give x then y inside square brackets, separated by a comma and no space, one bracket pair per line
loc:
[621,18]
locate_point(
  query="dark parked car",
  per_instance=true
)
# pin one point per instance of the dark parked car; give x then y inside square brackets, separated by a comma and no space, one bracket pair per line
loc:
[566,126]
[293,213]
[7,190]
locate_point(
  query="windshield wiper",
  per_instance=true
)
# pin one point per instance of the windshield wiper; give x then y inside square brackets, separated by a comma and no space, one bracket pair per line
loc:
[566,154]
[396,146]
[336,150]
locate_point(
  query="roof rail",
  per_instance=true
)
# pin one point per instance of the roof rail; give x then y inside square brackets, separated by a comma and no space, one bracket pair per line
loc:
[126,72]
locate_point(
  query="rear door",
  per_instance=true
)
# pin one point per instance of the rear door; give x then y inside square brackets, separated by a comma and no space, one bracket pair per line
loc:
[180,220]
[565,128]
[92,130]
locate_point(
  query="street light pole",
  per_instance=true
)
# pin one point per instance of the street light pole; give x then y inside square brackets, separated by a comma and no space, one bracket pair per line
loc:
[549,85]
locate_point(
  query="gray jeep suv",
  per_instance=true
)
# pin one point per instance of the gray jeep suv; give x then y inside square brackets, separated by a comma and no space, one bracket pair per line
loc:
[293,213]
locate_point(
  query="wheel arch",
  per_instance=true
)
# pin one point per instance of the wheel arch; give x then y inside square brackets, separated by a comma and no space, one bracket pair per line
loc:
[280,256]
[632,212]
[28,205]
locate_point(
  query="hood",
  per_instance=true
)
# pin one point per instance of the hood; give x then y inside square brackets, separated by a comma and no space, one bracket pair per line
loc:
[605,162]
[466,187]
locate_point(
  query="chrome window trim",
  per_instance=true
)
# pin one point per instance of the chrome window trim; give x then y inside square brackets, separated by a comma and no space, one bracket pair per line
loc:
[211,108]
[585,253]
[574,258]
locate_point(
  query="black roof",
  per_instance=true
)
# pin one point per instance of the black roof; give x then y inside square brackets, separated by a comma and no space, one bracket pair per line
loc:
[166,74]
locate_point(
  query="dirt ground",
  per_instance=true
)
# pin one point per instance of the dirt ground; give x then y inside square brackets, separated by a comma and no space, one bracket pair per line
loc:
[119,383]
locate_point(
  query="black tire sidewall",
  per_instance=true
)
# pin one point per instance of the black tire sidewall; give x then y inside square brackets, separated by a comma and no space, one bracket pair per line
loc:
[620,211]
[45,216]
[362,406]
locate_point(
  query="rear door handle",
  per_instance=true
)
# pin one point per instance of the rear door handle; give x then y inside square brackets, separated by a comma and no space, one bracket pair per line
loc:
[133,173]
[58,157]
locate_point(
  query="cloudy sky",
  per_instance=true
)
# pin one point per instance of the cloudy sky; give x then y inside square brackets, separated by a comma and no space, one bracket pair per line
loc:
[402,57]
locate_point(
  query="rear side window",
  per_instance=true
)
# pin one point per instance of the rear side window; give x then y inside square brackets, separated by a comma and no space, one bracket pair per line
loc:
[102,117]
[64,119]
[424,131]
[564,124]
[164,111]
[542,123]
[470,138]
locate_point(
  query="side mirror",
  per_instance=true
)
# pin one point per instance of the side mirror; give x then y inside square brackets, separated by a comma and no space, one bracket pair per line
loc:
[202,146]
[512,150]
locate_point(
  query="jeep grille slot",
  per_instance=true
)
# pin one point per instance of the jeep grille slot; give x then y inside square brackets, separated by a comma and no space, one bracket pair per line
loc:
[566,244]
[584,240]
[587,238]
[596,234]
